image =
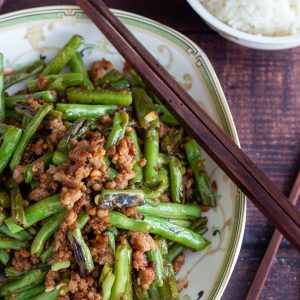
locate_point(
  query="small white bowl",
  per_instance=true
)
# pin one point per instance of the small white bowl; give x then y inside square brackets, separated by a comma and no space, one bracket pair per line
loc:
[243,38]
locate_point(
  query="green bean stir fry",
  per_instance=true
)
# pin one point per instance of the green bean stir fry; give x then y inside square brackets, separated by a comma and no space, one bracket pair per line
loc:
[101,190]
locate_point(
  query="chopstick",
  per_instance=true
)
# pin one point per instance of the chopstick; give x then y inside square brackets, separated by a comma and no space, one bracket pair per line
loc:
[212,139]
[266,263]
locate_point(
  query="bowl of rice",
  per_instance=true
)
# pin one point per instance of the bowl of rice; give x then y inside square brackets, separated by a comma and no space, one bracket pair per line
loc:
[258,24]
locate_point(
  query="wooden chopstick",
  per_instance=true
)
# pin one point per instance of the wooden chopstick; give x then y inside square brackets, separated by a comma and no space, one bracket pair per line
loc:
[212,139]
[266,263]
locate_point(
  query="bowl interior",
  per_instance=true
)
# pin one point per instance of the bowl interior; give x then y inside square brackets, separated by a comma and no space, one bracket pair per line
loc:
[44,30]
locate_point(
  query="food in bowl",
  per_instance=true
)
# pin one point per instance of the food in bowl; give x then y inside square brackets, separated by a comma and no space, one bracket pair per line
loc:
[101,189]
[267,18]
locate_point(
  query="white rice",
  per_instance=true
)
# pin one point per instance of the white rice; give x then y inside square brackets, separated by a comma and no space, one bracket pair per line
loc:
[261,17]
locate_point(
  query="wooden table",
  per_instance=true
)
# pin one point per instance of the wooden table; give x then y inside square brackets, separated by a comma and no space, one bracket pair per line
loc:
[263,91]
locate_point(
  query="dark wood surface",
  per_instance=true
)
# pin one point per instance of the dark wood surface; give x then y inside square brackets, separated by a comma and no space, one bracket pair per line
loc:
[263,91]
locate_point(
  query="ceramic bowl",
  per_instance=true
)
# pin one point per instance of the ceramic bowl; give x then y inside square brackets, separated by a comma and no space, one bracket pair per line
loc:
[243,38]
[25,35]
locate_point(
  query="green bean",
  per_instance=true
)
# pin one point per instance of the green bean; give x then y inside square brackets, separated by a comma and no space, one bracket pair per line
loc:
[113,230]
[203,183]
[112,76]
[176,233]
[121,221]
[24,73]
[37,212]
[25,121]
[183,223]
[47,96]
[59,157]
[104,97]
[120,123]
[2,217]
[54,114]
[137,195]
[20,236]
[176,180]
[27,293]
[165,115]
[111,173]
[164,291]
[171,210]
[52,295]
[4,256]
[82,220]
[29,174]
[154,292]
[2,97]
[9,145]
[17,204]
[76,111]
[56,266]
[57,85]
[120,85]
[111,199]
[81,251]
[171,142]
[32,230]
[171,282]
[65,80]
[156,257]
[151,150]
[4,200]
[111,241]
[12,114]
[175,250]
[32,277]
[34,184]
[76,65]
[134,78]
[140,294]
[122,265]
[107,285]
[106,270]
[9,243]
[164,159]
[128,288]
[144,108]
[13,274]
[28,133]
[47,230]
[136,168]
[47,254]
[63,56]
[162,185]
[3,129]
[114,80]
[200,225]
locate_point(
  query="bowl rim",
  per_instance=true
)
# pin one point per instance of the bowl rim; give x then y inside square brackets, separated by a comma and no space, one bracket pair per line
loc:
[258,39]
[235,242]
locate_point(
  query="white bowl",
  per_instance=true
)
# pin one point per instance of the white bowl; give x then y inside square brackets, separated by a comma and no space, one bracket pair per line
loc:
[242,38]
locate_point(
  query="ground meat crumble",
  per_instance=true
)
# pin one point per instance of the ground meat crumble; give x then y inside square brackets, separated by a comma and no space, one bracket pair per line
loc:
[23,261]
[141,243]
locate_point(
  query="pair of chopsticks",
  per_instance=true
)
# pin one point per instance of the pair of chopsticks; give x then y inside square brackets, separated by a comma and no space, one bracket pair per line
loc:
[266,263]
[264,194]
